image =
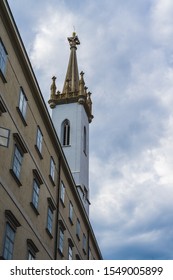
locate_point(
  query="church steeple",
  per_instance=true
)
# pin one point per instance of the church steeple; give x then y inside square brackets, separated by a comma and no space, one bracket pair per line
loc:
[71,115]
[74,89]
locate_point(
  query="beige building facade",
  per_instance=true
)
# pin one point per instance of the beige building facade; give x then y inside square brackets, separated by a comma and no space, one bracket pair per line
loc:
[42,215]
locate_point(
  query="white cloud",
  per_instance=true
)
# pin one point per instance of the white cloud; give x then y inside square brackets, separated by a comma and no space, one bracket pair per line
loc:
[162,22]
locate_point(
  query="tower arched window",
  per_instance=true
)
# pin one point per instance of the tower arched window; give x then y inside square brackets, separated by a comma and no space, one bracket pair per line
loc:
[66,133]
[84,141]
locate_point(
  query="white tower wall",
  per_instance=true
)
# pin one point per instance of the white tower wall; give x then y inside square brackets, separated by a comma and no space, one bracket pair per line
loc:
[78,159]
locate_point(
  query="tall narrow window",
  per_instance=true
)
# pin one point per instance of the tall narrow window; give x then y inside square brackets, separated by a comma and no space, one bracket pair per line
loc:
[51,208]
[71,212]
[84,141]
[70,252]
[35,194]
[61,237]
[17,162]
[19,150]
[3,108]
[52,169]
[3,58]
[37,181]
[62,193]
[84,243]
[61,241]
[22,103]
[66,133]
[32,249]
[49,219]
[78,229]
[39,142]
[9,242]
[11,226]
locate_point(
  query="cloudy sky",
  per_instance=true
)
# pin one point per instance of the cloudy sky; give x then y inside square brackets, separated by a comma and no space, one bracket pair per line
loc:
[126,53]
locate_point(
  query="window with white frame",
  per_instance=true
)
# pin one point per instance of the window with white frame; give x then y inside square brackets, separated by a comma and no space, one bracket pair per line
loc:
[10,230]
[49,219]
[52,169]
[32,249]
[71,212]
[78,228]
[8,242]
[22,103]
[3,58]
[50,209]
[17,161]
[39,140]
[61,240]
[66,133]
[4,136]
[70,252]
[62,192]
[35,193]
[19,150]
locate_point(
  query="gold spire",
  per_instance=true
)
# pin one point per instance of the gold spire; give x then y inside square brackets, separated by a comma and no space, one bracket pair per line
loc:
[72,71]
[74,89]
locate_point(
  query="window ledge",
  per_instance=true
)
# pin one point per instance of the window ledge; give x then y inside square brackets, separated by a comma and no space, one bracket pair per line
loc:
[34,208]
[61,253]
[15,178]
[51,179]
[62,203]
[78,237]
[71,222]
[84,251]
[66,146]
[49,233]
[38,151]
[21,116]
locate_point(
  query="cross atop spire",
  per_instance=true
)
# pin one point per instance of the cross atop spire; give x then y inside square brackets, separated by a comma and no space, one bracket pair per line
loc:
[73,41]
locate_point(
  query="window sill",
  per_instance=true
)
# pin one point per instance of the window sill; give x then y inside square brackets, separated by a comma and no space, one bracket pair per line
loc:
[84,251]
[78,237]
[61,253]
[21,116]
[3,77]
[15,178]
[49,233]
[51,179]
[38,151]
[34,208]
[71,222]
[66,146]
[62,203]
